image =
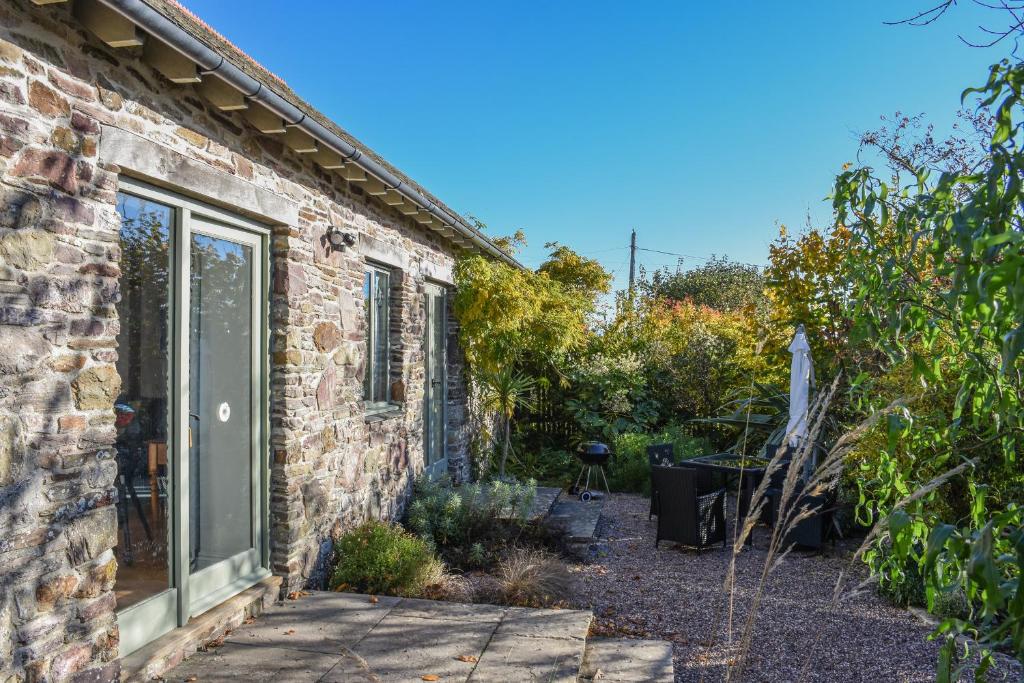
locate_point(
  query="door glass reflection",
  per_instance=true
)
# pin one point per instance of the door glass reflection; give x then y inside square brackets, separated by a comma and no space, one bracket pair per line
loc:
[220,401]
[141,411]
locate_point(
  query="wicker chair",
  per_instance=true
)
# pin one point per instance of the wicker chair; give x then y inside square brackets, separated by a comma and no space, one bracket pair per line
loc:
[774,487]
[814,531]
[659,454]
[690,511]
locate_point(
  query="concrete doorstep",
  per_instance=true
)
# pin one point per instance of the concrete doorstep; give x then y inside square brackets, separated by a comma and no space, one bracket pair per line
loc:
[335,637]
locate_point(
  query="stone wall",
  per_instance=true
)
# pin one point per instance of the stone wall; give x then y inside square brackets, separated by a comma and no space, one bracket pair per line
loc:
[330,466]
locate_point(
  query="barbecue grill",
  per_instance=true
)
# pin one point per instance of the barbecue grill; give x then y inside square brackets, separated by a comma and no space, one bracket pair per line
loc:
[592,454]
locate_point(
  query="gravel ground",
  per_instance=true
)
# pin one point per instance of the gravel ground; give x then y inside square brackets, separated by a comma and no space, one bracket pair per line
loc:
[676,595]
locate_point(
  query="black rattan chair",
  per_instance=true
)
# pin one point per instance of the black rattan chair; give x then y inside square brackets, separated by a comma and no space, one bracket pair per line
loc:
[690,511]
[775,482]
[812,532]
[663,455]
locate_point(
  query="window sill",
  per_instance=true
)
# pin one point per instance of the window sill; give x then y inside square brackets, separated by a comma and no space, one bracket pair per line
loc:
[379,414]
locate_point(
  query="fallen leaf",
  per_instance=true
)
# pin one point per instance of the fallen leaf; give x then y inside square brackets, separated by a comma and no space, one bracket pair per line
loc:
[341,587]
[294,595]
[192,678]
[374,600]
[467,658]
[430,677]
[289,632]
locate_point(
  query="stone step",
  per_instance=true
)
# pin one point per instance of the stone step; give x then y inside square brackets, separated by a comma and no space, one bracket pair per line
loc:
[577,521]
[621,660]
[543,502]
[535,645]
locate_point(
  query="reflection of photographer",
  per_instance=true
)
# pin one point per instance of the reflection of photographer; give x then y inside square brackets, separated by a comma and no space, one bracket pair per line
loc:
[124,421]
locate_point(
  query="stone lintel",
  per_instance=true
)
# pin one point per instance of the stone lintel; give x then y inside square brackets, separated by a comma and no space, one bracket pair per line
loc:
[162,166]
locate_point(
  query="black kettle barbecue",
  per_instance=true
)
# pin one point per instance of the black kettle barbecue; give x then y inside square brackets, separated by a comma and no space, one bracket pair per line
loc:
[592,454]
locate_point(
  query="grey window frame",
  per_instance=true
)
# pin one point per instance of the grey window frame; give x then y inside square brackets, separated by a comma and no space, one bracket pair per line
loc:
[372,270]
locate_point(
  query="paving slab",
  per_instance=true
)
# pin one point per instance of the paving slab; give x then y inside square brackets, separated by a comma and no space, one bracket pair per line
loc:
[546,623]
[543,502]
[406,648]
[318,622]
[351,668]
[577,519]
[233,662]
[620,660]
[341,637]
[455,611]
[523,658]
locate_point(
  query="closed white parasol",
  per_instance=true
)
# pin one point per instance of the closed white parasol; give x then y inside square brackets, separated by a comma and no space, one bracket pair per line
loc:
[801,380]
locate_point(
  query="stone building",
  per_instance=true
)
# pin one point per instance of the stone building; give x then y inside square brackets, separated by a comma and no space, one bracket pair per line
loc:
[224,337]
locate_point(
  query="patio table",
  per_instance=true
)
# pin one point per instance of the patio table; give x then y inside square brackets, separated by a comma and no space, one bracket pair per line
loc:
[728,464]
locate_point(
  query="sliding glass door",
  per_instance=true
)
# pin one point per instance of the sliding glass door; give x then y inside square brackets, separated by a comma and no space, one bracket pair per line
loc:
[224,382]
[192,416]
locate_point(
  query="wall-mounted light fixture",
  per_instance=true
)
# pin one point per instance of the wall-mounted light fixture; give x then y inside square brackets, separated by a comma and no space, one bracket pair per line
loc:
[339,239]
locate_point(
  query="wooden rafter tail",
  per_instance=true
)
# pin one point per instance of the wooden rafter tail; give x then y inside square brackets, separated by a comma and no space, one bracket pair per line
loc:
[221,95]
[173,65]
[300,141]
[353,173]
[373,186]
[112,28]
[264,120]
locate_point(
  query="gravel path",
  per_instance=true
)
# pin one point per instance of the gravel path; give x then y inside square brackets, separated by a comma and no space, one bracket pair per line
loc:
[674,594]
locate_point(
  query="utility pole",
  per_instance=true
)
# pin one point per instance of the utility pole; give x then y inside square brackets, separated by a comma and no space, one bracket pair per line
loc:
[632,260]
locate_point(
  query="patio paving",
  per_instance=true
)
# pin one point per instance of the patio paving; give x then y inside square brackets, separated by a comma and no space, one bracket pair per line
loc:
[577,520]
[334,637]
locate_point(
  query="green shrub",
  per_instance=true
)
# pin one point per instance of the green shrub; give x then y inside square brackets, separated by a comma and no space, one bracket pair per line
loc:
[907,589]
[377,557]
[468,525]
[630,469]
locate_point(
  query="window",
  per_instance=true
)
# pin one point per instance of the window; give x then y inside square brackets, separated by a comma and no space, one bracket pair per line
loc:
[376,295]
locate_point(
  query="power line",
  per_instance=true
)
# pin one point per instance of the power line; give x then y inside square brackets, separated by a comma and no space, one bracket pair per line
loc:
[619,267]
[699,258]
[600,251]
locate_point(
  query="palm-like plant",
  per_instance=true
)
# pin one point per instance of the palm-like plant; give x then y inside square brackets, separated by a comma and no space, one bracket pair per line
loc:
[764,411]
[762,414]
[502,392]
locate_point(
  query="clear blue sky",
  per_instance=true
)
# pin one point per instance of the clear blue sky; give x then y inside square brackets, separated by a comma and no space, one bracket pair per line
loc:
[701,124]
